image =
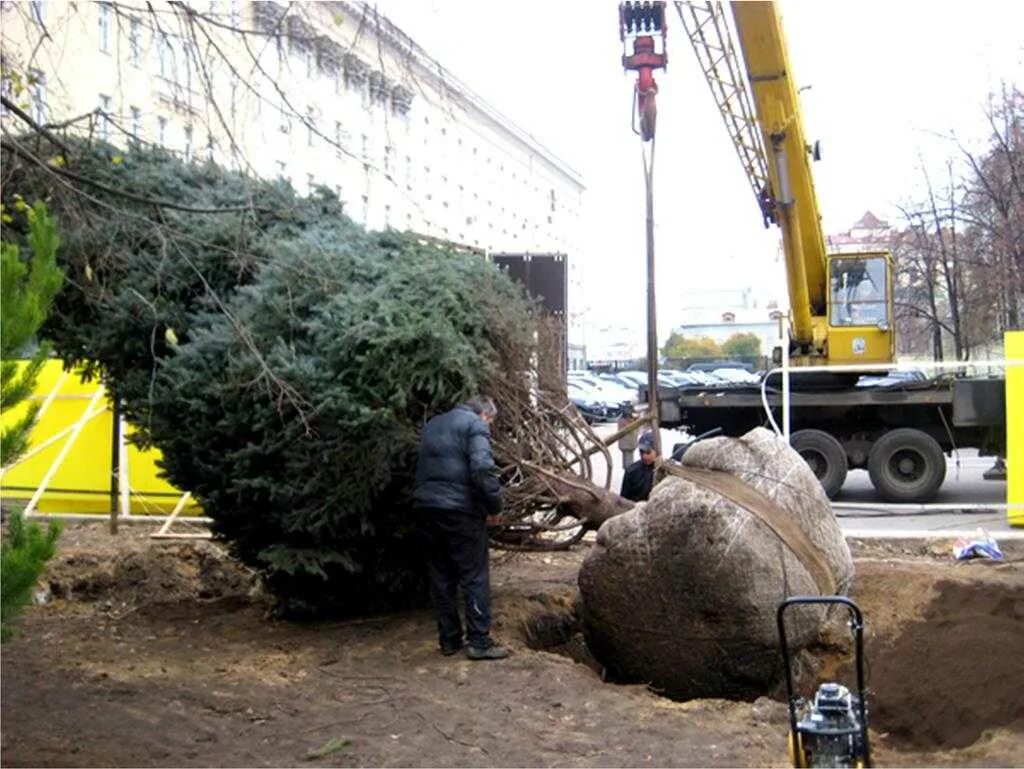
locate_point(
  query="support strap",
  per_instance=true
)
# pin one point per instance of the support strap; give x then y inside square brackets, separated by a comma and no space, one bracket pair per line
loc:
[768,512]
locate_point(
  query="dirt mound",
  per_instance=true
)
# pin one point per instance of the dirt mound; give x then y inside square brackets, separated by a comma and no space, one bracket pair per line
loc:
[936,684]
[132,570]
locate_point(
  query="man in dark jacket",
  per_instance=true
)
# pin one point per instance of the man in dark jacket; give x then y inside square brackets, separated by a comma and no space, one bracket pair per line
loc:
[639,477]
[458,494]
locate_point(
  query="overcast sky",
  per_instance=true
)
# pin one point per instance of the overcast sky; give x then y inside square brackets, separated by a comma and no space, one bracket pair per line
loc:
[889,81]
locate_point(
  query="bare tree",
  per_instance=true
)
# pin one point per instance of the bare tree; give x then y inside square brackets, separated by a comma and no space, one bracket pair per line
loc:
[960,254]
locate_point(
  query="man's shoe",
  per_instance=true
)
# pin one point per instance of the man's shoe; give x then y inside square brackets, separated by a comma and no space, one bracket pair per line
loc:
[449,649]
[487,652]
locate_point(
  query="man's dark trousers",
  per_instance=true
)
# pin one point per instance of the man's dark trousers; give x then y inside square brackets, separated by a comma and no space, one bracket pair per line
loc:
[457,555]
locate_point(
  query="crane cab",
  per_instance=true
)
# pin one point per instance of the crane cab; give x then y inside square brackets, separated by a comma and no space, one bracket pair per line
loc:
[860,308]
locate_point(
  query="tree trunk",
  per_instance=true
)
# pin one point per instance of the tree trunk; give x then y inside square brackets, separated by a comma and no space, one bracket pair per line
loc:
[582,499]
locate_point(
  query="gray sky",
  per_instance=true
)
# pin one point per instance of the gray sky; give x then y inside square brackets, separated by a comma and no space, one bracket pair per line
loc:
[889,82]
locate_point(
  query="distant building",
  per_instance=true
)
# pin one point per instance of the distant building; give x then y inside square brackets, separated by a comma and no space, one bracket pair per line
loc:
[745,303]
[325,93]
[762,322]
[869,233]
[719,313]
[615,346]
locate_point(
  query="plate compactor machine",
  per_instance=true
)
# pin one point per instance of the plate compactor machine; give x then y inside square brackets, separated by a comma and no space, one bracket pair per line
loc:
[830,729]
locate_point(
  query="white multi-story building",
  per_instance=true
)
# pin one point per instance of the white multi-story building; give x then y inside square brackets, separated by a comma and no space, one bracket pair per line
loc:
[320,93]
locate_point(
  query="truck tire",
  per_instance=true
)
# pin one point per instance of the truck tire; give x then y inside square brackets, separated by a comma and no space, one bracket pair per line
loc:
[906,465]
[824,455]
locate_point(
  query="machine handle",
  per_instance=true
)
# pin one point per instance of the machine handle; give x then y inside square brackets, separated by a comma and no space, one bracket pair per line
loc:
[856,625]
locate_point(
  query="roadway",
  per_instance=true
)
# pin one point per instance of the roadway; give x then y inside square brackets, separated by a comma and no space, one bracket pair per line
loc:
[862,513]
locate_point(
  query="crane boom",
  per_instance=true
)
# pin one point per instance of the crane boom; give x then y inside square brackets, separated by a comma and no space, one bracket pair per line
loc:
[759,29]
[840,304]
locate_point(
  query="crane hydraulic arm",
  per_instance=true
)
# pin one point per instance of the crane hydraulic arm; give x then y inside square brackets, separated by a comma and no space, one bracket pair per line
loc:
[761,38]
[840,304]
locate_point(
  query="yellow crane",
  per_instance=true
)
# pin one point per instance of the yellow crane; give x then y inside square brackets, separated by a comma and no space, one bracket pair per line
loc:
[841,306]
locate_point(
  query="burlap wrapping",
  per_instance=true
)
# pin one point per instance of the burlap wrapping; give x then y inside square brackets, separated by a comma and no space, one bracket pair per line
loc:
[681,592]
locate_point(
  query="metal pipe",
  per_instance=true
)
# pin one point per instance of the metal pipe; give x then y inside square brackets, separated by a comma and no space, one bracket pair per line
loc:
[654,407]
[100,517]
[115,464]
[785,383]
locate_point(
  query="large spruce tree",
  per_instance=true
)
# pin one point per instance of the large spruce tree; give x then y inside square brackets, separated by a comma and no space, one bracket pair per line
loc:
[281,357]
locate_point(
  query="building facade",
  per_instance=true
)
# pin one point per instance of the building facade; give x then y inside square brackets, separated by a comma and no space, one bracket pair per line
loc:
[763,323]
[318,93]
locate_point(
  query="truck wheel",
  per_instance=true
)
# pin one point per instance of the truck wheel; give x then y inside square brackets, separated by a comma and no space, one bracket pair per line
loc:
[824,455]
[906,465]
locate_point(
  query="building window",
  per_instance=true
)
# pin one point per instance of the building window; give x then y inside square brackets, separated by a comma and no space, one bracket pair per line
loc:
[40,110]
[134,42]
[286,121]
[186,54]
[164,64]
[161,131]
[136,127]
[188,143]
[104,124]
[234,98]
[105,27]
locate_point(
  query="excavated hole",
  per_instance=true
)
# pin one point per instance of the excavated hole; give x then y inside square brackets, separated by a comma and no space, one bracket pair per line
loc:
[945,679]
[938,682]
[558,631]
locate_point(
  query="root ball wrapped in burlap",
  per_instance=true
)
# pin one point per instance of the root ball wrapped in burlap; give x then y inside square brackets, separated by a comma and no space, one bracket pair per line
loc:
[681,592]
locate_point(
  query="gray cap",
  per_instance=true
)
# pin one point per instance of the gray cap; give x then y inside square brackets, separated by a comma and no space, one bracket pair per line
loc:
[646,442]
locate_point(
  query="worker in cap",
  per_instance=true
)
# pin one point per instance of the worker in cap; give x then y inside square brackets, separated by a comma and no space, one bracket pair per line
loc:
[639,477]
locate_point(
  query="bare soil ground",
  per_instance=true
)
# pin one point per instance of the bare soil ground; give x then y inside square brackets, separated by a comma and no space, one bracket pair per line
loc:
[162,654]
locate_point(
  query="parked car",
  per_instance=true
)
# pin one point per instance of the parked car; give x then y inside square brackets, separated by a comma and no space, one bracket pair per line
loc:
[636,377]
[593,404]
[615,392]
[717,364]
[680,378]
[736,375]
[892,378]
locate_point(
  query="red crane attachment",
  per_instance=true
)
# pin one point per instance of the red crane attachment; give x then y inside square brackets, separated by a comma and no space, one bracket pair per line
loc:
[643,25]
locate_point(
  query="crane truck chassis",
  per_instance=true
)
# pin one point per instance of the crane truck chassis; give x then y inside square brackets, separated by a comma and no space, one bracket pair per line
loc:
[899,433]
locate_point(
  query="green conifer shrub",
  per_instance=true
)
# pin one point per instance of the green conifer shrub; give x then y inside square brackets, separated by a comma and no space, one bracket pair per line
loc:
[23,555]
